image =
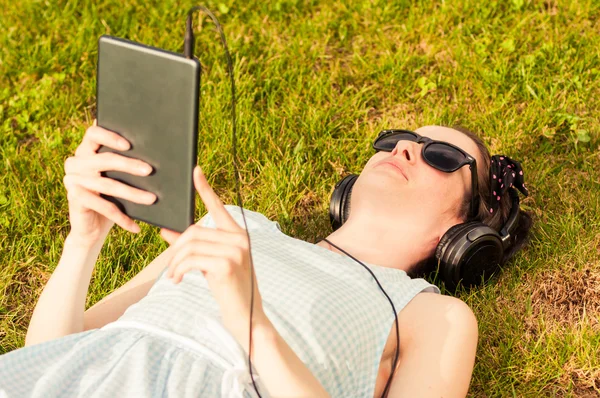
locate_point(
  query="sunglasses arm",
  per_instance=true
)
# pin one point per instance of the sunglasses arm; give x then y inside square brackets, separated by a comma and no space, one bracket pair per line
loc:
[474,191]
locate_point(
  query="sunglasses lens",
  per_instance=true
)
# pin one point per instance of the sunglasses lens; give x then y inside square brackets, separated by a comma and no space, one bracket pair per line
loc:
[444,157]
[388,142]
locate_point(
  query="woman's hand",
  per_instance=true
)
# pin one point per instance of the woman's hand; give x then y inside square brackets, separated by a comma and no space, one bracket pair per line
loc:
[223,256]
[90,215]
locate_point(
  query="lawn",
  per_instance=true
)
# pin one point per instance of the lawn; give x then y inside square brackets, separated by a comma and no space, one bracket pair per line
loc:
[316,82]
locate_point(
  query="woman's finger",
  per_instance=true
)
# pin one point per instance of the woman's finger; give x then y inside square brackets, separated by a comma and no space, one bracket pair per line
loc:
[106,161]
[213,249]
[96,136]
[205,264]
[111,187]
[170,236]
[197,232]
[214,205]
[79,195]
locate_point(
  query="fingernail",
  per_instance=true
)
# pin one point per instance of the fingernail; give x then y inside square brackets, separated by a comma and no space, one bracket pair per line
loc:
[124,144]
[145,169]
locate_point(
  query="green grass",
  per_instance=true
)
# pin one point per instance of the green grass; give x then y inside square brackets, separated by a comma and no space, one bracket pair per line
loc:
[316,82]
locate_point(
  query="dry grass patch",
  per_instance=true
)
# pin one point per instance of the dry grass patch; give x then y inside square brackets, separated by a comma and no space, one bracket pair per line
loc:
[585,381]
[560,310]
[565,297]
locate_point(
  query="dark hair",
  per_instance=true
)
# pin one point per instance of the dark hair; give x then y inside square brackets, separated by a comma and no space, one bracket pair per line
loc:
[494,220]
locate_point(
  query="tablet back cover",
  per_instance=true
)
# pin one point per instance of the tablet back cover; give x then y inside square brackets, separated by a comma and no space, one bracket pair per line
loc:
[150,97]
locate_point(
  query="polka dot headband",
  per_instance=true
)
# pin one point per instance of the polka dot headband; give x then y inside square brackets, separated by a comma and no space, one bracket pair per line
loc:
[504,173]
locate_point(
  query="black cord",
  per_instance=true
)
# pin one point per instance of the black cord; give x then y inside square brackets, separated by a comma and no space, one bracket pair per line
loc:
[188,48]
[387,385]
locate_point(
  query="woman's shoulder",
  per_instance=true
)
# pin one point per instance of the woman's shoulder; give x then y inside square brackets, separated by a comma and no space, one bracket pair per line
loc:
[430,310]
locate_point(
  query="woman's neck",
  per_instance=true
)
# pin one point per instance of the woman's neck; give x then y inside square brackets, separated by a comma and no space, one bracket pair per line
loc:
[386,250]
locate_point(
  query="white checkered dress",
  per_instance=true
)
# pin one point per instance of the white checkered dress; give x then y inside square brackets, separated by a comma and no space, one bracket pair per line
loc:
[326,306]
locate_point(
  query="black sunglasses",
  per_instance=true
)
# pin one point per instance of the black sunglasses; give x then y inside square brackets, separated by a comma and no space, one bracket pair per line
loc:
[440,155]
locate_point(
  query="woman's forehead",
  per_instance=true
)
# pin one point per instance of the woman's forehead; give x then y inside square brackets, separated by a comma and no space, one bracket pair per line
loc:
[451,136]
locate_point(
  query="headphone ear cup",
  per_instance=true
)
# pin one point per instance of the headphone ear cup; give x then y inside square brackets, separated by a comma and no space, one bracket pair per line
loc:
[339,205]
[446,269]
[469,253]
[446,239]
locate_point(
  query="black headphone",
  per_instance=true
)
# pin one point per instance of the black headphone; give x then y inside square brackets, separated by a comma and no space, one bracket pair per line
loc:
[468,253]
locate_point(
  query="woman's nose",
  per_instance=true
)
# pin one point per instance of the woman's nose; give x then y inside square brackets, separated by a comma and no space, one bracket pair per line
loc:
[406,149]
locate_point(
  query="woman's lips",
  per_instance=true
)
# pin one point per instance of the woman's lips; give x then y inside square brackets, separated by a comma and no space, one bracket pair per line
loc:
[392,165]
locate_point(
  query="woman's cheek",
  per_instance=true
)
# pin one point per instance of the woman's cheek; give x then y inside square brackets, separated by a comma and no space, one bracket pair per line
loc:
[441,187]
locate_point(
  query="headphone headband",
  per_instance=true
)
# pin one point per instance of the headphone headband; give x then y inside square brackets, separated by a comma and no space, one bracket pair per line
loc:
[513,219]
[468,253]
[340,204]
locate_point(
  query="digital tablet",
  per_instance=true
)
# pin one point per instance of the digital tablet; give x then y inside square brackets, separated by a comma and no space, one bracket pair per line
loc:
[150,97]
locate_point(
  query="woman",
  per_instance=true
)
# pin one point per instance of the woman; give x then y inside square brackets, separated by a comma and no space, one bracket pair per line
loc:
[321,326]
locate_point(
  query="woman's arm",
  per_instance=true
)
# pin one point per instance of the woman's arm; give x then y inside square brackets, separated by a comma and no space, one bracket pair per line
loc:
[437,353]
[111,307]
[281,371]
[59,310]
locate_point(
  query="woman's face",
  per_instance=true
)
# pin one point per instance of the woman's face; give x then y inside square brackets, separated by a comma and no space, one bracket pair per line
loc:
[418,193]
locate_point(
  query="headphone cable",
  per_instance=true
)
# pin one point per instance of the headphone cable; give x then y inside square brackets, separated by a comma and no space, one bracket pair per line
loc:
[188,48]
[189,53]
[387,385]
